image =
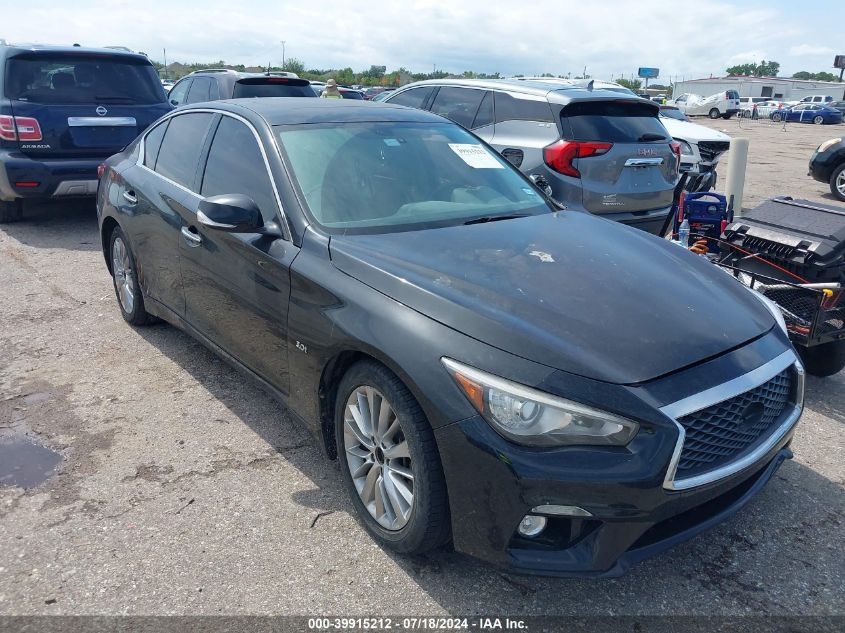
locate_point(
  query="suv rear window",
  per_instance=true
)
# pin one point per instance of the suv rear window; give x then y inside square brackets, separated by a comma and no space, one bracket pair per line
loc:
[75,78]
[612,122]
[272,87]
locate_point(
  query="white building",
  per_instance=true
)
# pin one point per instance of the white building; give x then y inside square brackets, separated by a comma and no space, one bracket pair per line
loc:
[770,87]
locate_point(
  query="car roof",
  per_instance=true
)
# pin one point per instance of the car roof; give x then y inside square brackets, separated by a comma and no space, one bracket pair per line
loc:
[552,90]
[297,110]
[13,50]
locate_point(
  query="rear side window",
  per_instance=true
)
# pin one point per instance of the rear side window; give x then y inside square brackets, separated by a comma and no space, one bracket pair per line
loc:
[74,78]
[179,92]
[458,104]
[181,148]
[612,122]
[235,165]
[413,98]
[200,90]
[509,108]
[485,112]
[732,94]
[152,144]
[272,87]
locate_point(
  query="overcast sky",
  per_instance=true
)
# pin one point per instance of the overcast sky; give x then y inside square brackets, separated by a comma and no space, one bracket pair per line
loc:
[609,37]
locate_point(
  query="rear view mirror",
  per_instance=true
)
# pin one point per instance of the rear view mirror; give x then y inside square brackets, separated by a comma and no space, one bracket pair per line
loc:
[231,212]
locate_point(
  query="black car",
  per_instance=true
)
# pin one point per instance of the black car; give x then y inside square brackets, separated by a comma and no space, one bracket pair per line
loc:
[221,83]
[63,110]
[827,164]
[556,393]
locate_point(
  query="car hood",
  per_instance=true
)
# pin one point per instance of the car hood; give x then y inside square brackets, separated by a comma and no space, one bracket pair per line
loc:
[568,290]
[686,131]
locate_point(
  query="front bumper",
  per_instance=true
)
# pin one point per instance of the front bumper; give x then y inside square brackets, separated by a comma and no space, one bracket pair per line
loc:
[633,505]
[55,177]
[492,486]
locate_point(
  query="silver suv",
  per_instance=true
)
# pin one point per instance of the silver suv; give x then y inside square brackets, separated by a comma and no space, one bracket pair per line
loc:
[599,151]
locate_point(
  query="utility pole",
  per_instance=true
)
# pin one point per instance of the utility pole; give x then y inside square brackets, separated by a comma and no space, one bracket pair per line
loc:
[165,62]
[584,76]
[283,53]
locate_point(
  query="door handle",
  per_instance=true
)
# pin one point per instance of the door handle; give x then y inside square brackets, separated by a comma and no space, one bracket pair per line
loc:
[191,239]
[129,196]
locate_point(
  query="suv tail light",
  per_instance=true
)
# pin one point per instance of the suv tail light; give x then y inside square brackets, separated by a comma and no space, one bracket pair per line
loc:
[676,150]
[559,155]
[23,128]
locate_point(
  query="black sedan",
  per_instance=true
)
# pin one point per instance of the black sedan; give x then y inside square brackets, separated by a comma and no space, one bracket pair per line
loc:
[827,164]
[551,391]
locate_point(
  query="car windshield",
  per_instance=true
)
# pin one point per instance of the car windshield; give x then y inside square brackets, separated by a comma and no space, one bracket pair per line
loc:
[376,177]
[75,78]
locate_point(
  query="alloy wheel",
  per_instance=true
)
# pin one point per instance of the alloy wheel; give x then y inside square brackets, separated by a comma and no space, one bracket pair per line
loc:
[840,183]
[818,120]
[124,276]
[378,457]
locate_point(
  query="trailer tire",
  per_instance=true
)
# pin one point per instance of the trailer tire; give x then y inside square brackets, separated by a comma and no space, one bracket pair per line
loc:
[823,360]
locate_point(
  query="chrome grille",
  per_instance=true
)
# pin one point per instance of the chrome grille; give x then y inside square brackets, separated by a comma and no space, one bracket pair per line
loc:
[723,432]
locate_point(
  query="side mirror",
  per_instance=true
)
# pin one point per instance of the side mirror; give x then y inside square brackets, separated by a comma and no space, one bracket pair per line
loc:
[231,212]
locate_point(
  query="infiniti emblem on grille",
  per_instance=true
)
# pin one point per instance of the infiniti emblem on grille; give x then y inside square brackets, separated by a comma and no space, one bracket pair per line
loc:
[751,416]
[101,111]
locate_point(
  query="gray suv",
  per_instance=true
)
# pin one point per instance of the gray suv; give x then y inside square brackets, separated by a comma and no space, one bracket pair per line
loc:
[597,150]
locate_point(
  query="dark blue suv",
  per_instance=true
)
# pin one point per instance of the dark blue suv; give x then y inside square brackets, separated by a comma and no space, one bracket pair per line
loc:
[63,111]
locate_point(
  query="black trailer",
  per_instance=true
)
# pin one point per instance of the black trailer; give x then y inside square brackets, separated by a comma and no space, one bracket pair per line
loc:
[793,252]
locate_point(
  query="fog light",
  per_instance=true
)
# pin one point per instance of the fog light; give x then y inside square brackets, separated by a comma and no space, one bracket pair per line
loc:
[531,525]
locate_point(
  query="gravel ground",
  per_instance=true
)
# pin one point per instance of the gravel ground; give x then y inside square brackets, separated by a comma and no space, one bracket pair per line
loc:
[184,489]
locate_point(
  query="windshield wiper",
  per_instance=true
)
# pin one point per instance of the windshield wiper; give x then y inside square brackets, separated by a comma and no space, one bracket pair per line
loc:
[494,218]
[650,136]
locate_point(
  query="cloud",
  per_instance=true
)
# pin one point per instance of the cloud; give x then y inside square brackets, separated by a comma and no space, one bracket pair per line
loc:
[808,50]
[610,38]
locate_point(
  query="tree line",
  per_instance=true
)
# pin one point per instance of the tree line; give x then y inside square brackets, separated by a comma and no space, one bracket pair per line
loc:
[771,69]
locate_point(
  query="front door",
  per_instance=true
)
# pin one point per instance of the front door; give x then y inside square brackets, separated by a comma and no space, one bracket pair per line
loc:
[237,285]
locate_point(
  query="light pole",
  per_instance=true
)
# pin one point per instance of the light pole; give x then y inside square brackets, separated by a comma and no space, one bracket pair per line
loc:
[283,54]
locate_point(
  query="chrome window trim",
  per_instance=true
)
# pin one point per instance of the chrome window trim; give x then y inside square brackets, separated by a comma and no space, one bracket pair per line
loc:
[726,391]
[280,213]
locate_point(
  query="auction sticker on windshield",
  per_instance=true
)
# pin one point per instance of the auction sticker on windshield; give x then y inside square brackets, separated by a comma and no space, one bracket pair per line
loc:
[476,156]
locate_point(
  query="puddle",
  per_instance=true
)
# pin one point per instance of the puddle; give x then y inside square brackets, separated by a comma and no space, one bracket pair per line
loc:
[25,464]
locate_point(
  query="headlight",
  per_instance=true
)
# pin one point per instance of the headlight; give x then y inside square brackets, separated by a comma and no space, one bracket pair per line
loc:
[827,144]
[686,148]
[772,307]
[531,417]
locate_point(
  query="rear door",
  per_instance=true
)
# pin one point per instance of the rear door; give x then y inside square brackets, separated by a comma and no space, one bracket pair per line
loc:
[85,104]
[628,164]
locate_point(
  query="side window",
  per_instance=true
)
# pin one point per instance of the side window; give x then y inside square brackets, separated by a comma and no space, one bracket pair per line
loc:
[458,104]
[199,90]
[152,144]
[180,151]
[214,90]
[179,92]
[485,112]
[235,165]
[509,108]
[413,98]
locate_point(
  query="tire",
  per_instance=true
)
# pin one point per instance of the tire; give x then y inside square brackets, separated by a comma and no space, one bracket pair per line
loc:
[425,525]
[837,183]
[727,116]
[714,113]
[823,360]
[746,114]
[819,120]
[776,117]
[10,211]
[130,299]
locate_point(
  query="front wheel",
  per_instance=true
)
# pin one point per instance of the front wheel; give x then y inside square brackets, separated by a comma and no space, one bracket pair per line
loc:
[837,182]
[776,117]
[714,113]
[818,120]
[389,461]
[823,360]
